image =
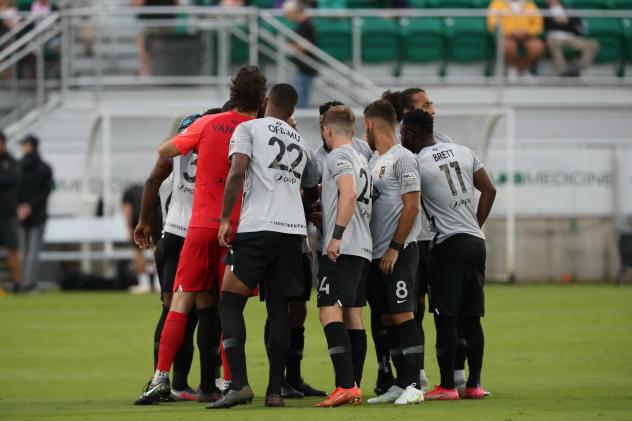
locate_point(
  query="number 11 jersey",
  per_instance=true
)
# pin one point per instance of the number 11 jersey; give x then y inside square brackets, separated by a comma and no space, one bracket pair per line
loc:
[280,164]
[447,189]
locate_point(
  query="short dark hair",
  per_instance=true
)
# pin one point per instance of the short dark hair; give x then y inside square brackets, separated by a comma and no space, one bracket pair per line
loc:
[227,106]
[248,89]
[327,105]
[419,122]
[401,100]
[32,140]
[212,111]
[3,137]
[382,110]
[283,95]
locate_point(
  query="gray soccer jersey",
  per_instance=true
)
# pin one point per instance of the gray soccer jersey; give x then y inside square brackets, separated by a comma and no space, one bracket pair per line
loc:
[447,189]
[358,144]
[164,193]
[394,174]
[181,204]
[356,240]
[425,233]
[280,163]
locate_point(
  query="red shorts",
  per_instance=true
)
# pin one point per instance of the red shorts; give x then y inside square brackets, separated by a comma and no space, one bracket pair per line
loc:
[201,262]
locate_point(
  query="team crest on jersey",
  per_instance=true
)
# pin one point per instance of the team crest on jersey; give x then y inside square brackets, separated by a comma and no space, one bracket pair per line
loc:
[382,171]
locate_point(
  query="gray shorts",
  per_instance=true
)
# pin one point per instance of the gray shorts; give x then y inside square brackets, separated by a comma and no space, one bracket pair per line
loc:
[9,233]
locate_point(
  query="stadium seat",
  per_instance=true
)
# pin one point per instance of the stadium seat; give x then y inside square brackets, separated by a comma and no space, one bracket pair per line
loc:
[608,33]
[457,4]
[380,40]
[366,4]
[24,5]
[627,37]
[422,40]
[586,4]
[619,4]
[468,41]
[418,4]
[334,37]
[263,4]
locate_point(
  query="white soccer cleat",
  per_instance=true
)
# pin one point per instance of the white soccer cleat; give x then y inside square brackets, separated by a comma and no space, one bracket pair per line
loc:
[390,396]
[411,396]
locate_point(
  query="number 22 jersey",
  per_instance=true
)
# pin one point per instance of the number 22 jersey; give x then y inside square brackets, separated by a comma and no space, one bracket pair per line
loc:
[280,164]
[447,189]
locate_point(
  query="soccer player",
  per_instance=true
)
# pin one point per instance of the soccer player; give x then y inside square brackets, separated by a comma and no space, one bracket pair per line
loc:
[403,102]
[449,175]
[344,265]
[394,229]
[355,326]
[201,259]
[276,162]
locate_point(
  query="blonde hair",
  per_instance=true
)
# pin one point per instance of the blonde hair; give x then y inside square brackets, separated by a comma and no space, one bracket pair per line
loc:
[340,119]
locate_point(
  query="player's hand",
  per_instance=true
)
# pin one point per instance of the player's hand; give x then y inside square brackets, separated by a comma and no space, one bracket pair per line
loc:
[333,249]
[316,218]
[142,235]
[387,264]
[225,233]
[23,211]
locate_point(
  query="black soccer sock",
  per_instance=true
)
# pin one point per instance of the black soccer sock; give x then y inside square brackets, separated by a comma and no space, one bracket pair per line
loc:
[380,339]
[446,349]
[278,342]
[340,353]
[419,318]
[208,347]
[395,350]
[412,351]
[231,310]
[158,332]
[295,355]
[461,346]
[475,346]
[266,337]
[357,337]
[184,356]
[218,355]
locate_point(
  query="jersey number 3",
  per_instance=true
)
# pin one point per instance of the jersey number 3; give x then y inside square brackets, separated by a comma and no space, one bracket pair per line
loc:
[276,162]
[448,176]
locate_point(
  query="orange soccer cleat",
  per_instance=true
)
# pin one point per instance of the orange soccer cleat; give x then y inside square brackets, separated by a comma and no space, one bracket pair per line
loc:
[342,396]
[474,392]
[441,394]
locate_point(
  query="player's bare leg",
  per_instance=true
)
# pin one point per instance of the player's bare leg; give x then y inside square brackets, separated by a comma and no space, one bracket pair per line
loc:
[231,307]
[15,267]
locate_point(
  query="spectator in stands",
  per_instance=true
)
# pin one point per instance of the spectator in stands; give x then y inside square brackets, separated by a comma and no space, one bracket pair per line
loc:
[9,17]
[9,179]
[564,32]
[35,185]
[295,12]
[42,8]
[141,42]
[521,29]
[132,197]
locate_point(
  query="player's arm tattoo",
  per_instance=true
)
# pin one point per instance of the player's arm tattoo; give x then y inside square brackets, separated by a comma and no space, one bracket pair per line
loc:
[485,185]
[410,212]
[160,172]
[234,183]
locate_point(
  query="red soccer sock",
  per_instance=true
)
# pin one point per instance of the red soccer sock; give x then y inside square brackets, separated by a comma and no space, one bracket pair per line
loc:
[225,365]
[171,339]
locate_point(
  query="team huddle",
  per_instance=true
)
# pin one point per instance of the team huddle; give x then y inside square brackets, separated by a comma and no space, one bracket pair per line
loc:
[394,218]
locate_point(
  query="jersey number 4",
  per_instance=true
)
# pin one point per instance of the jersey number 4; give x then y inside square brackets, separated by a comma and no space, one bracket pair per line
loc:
[448,175]
[276,162]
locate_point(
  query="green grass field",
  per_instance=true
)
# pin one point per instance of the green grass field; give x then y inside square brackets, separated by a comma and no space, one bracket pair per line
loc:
[552,352]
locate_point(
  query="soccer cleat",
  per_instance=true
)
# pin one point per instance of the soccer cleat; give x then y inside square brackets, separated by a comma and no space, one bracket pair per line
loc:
[288,392]
[273,401]
[205,397]
[474,392]
[233,398]
[154,393]
[411,395]
[187,394]
[308,390]
[341,397]
[390,396]
[441,394]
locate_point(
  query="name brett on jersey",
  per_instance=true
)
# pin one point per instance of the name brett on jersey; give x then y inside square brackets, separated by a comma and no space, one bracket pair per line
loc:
[443,155]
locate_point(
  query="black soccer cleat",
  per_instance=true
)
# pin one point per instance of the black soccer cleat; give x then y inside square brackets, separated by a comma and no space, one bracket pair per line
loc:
[288,392]
[154,393]
[274,401]
[308,390]
[233,398]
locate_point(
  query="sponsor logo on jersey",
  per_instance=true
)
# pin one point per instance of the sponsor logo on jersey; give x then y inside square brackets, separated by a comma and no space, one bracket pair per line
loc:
[456,203]
[281,178]
[409,179]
